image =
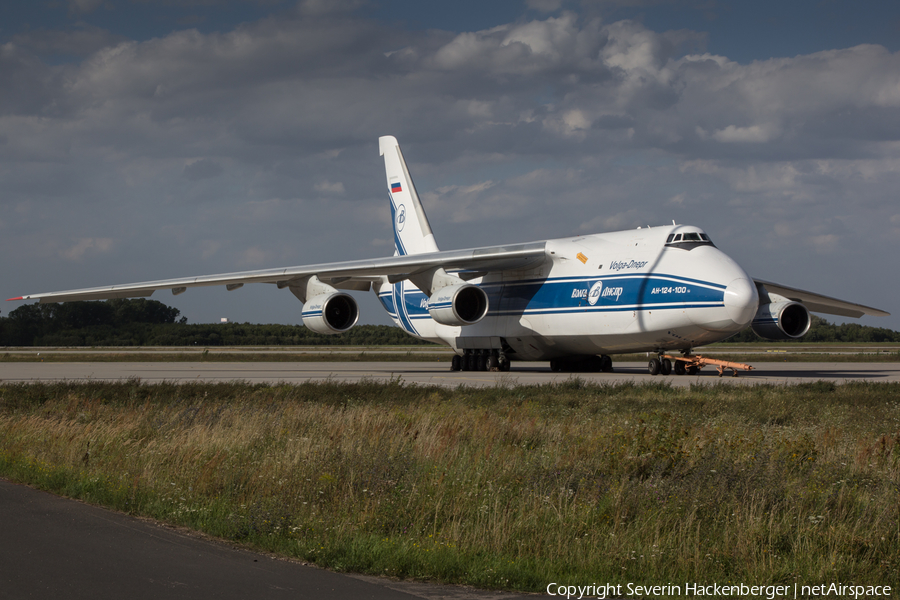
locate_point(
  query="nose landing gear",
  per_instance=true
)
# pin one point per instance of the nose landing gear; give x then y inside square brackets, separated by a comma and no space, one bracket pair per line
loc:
[691,364]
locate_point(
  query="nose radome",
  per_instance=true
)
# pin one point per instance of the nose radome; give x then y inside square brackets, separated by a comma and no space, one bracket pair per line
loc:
[741,300]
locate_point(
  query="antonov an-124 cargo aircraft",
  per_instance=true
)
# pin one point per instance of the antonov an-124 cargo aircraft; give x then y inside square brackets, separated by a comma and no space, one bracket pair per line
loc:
[572,301]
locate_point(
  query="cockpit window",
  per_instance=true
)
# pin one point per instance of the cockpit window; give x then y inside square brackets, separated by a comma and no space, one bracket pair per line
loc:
[688,240]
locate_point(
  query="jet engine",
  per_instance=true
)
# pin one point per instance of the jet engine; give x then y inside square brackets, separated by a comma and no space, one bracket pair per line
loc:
[461,304]
[781,321]
[330,313]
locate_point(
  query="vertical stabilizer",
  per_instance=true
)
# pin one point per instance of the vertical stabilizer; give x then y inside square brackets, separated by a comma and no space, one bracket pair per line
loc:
[412,232]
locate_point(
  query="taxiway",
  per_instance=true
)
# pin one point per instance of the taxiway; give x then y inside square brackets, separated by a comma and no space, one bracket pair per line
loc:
[428,373]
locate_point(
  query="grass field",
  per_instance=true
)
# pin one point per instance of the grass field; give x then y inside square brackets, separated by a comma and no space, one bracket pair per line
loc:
[403,355]
[506,487]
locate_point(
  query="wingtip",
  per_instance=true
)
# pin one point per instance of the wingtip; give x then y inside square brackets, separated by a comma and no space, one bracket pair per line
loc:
[19,298]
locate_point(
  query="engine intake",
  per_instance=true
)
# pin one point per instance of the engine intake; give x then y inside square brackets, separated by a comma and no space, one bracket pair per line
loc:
[330,313]
[455,305]
[781,321]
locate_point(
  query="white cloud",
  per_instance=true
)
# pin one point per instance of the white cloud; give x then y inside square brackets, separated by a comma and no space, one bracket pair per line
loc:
[752,134]
[254,257]
[83,246]
[84,6]
[329,187]
[198,169]
[826,243]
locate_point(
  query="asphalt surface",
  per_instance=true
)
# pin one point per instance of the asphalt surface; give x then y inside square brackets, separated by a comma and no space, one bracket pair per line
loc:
[55,548]
[429,373]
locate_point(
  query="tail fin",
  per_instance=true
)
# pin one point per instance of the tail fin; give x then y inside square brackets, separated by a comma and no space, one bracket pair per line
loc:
[412,232]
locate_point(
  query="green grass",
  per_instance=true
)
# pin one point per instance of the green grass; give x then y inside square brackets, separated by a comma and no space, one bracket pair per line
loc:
[506,487]
[404,355]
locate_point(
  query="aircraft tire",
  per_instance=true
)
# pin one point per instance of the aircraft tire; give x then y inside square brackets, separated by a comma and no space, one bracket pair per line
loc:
[503,363]
[654,366]
[455,363]
[679,368]
[606,364]
[665,366]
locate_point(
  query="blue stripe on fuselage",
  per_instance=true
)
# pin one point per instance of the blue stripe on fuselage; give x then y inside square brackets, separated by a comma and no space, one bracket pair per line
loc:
[560,295]
[400,304]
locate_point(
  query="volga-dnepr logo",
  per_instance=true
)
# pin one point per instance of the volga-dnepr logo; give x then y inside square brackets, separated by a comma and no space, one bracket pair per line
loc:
[596,292]
[401,217]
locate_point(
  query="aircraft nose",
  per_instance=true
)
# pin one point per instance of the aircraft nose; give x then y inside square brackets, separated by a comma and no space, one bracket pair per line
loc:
[741,300]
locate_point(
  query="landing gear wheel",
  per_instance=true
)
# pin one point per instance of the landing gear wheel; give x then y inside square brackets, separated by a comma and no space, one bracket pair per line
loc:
[594,364]
[503,363]
[606,364]
[455,363]
[493,363]
[679,368]
[466,362]
[481,362]
[693,370]
[654,366]
[554,366]
[665,366]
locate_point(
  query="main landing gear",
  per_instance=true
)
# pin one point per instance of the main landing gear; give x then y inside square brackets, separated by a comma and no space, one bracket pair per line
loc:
[583,364]
[480,360]
[691,364]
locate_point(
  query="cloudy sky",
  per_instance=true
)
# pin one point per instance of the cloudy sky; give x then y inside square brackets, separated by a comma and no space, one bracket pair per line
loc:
[149,139]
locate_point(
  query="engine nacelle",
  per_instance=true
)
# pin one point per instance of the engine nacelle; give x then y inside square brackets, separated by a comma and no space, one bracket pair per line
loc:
[462,304]
[781,321]
[330,313]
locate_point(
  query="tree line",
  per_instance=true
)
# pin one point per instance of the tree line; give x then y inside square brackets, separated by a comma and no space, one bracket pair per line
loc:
[821,330]
[143,322]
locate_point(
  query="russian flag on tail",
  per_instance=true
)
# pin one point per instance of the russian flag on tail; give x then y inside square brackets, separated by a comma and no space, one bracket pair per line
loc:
[395,187]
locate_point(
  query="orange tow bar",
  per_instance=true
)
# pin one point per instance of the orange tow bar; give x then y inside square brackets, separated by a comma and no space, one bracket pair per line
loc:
[694,362]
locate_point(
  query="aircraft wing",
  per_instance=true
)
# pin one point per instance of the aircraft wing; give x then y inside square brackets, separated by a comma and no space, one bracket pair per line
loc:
[819,303]
[355,274]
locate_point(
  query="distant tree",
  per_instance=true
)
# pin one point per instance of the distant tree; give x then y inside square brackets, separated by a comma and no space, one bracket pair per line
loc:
[141,310]
[821,330]
[83,323]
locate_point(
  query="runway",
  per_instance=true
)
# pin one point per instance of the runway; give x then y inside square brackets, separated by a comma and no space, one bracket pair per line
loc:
[429,373]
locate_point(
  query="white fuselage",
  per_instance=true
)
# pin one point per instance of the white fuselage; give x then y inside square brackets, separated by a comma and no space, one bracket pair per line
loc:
[627,291]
